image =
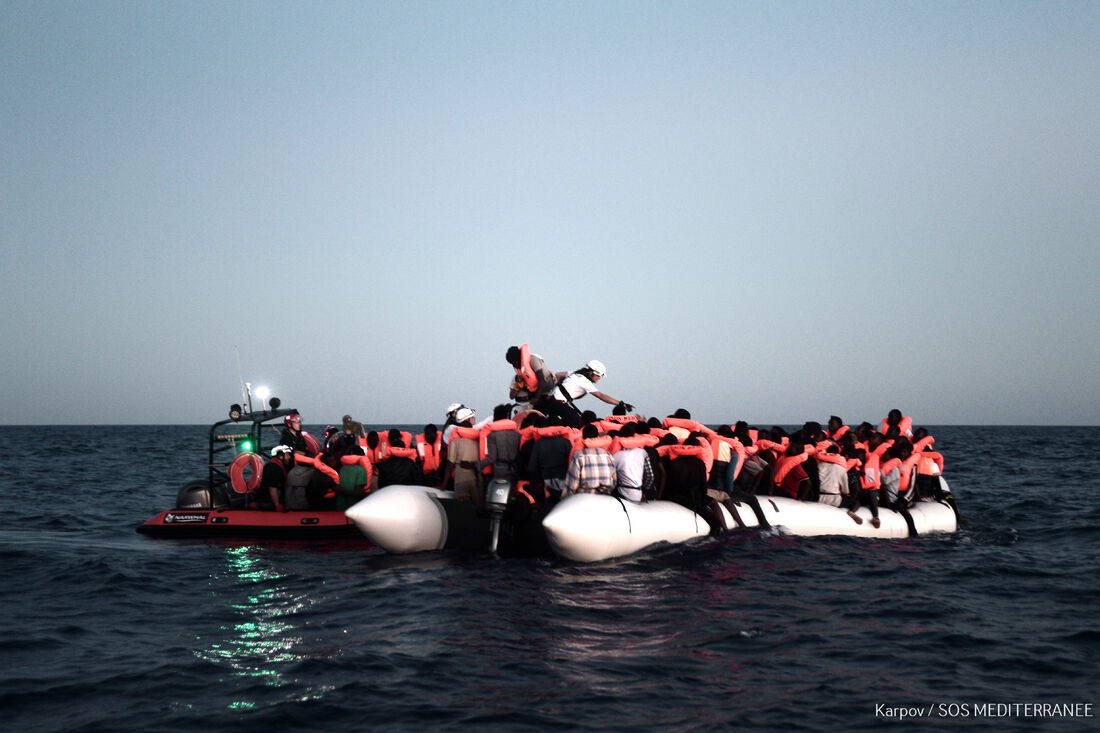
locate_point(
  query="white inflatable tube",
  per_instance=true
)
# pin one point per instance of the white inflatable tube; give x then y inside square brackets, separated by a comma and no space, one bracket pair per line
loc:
[812,519]
[593,527]
[403,518]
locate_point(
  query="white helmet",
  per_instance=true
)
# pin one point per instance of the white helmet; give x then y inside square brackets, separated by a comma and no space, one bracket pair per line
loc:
[597,368]
[464,414]
[277,450]
[453,407]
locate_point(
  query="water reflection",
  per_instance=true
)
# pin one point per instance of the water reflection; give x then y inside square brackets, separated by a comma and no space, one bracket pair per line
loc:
[260,640]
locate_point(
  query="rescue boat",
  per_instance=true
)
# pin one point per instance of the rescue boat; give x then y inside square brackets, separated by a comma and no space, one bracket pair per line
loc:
[217,506]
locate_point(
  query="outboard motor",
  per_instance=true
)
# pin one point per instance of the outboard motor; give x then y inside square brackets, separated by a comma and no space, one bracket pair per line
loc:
[496,499]
[200,495]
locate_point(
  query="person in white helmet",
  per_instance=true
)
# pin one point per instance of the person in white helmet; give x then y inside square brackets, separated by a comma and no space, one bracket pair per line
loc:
[580,383]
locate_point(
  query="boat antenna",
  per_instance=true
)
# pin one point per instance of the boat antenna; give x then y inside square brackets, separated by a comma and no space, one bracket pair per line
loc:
[240,376]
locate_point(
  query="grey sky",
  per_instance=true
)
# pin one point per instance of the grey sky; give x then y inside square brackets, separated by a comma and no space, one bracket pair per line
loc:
[763,211]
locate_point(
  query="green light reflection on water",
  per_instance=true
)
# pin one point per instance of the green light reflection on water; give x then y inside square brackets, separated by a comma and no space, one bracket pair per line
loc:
[261,639]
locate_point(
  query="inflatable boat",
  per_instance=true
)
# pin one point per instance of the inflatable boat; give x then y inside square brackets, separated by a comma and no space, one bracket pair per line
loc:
[594,527]
[405,518]
[217,505]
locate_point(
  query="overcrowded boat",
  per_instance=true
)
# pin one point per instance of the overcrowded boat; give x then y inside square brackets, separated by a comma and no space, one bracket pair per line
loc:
[542,477]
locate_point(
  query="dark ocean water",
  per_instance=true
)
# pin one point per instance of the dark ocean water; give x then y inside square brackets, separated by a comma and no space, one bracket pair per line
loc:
[107,630]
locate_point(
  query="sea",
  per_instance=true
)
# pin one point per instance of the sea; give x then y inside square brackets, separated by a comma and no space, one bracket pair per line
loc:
[992,628]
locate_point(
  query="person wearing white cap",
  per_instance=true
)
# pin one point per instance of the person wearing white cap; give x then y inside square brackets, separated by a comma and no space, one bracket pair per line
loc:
[463,453]
[273,479]
[582,382]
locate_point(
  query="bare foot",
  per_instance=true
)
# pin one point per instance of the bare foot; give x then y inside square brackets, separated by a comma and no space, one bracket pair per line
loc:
[876,523]
[855,518]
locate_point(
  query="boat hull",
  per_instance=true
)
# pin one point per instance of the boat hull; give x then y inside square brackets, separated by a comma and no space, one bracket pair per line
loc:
[250,523]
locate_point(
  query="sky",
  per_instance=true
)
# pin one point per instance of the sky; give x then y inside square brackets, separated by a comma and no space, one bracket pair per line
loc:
[769,211]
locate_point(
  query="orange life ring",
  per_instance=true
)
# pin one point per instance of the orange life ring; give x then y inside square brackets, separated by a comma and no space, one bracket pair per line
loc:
[246,460]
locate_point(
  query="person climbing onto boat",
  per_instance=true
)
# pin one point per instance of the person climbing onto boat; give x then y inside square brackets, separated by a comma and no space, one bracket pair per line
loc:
[292,434]
[269,495]
[591,469]
[578,384]
[534,381]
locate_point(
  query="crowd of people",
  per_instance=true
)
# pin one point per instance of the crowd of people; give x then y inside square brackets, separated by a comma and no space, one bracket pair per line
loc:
[549,449]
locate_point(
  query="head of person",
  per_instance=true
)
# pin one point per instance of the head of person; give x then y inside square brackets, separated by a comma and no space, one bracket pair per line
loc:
[595,370]
[394,438]
[502,412]
[893,417]
[589,431]
[431,432]
[373,440]
[464,416]
[293,421]
[835,423]
[283,454]
[512,356]
[628,430]
[681,414]
[795,448]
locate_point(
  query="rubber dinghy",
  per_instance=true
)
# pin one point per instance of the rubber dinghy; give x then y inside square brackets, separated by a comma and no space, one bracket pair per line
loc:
[593,527]
[401,518]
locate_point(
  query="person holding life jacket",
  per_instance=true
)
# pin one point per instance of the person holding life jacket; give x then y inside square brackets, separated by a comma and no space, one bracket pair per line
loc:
[269,495]
[578,384]
[534,381]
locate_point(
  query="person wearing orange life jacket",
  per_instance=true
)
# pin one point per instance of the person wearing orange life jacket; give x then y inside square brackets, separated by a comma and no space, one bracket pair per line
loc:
[790,477]
[355,477]
[500,441]
[578,384]
[534,381]
[429,449]
[399,466]
[463,454]
[836,428]
[894,419]
[548,459]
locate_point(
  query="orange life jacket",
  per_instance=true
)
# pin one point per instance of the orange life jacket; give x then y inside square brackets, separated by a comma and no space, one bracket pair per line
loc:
[429,452]
[930,463]
[784,465]
[698,450]
[905,427]
[682,427]
[363,461]
[525,372]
